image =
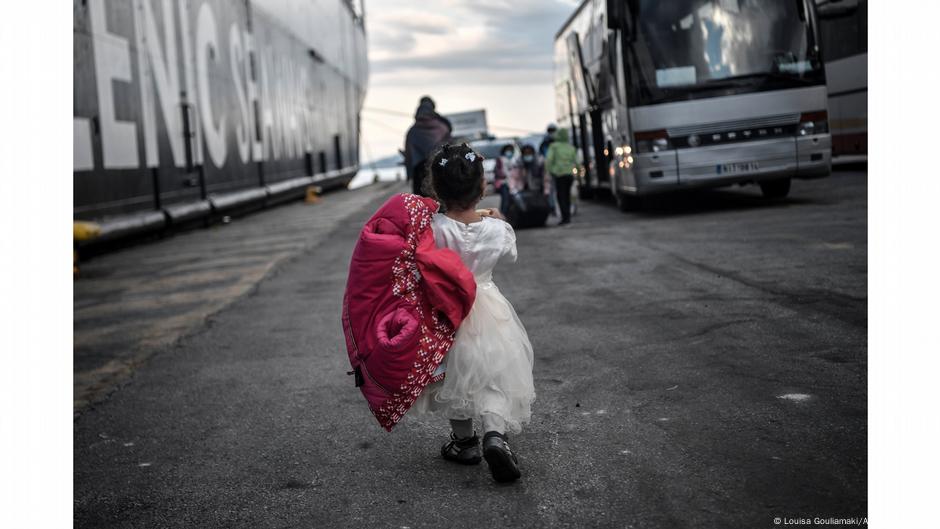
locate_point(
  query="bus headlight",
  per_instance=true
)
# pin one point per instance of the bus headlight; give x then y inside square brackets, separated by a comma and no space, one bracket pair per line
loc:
[652,141]
[813,123]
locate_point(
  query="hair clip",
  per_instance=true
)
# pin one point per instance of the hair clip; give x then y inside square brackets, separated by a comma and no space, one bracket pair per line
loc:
[471,156]
[443,162]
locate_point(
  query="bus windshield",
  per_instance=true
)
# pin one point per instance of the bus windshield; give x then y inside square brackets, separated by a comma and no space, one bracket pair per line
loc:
[691,49]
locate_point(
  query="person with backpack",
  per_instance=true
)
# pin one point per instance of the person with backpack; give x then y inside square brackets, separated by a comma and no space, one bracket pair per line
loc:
[561,161]
[429,131]
[547,139]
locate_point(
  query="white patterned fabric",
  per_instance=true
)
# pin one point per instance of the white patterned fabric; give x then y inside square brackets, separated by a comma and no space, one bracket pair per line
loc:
[488,369]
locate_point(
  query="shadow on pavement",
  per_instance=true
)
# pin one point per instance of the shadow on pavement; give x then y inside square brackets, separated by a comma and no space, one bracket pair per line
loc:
[695,202]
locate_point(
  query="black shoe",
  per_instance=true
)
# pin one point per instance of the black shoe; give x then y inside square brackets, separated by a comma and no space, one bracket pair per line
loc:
[465,451]
[502,462]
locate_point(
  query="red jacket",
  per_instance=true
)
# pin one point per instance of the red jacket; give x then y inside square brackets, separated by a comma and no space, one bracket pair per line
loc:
[404,300]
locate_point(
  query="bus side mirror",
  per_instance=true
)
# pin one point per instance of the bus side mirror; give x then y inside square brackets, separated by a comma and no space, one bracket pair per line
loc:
[835,8]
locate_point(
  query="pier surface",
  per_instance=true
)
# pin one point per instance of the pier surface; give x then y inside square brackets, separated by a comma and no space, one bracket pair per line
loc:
[699,363]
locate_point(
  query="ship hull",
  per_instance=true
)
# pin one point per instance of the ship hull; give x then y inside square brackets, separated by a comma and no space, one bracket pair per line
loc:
[187,108]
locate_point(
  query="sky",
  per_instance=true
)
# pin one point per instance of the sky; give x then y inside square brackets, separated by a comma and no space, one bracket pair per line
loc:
[467,55]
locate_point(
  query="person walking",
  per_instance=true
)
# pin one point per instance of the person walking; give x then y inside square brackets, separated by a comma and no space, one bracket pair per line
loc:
[547,139]
[487,372]
[429,130]
[543,152]
[561,162]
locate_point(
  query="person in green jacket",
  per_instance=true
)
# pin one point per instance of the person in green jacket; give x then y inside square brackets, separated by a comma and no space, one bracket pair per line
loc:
[561,162]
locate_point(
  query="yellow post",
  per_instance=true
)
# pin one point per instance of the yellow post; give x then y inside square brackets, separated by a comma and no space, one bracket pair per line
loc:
[82,231]
[85,231]
[313,195]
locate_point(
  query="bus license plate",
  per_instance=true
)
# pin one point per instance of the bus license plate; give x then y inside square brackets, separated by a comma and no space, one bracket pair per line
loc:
[732,168]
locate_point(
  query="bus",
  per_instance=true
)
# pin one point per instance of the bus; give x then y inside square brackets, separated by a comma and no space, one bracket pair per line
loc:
[665,96]
[843,28]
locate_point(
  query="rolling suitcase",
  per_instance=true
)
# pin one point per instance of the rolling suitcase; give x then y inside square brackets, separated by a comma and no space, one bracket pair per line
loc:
[527,209]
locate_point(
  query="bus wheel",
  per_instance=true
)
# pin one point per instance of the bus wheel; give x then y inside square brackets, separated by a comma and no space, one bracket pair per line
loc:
[775,188]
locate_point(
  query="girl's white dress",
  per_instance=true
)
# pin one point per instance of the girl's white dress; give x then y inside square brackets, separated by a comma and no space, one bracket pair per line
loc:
[489,367]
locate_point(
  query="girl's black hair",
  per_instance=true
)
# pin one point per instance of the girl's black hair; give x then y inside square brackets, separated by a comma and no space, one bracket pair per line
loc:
[456,176]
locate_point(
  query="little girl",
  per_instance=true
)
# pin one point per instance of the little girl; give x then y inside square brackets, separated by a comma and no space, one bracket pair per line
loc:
[488,370]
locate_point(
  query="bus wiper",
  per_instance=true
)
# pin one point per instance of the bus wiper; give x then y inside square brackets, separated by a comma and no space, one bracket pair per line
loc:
[738,80]
[787,77]
[725,82]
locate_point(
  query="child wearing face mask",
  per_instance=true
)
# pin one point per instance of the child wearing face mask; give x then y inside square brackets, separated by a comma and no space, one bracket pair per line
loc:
[532,173]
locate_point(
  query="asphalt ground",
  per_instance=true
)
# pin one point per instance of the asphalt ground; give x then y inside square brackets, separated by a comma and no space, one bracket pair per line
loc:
[130,304]
[701,363]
